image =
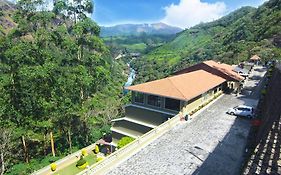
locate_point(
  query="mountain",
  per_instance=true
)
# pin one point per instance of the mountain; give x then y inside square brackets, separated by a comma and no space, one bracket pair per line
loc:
[6,22]
[136,29]
[231,39]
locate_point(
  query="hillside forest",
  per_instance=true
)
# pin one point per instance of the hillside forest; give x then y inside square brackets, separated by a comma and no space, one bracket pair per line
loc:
[58,82]
[231,39]
[142,43]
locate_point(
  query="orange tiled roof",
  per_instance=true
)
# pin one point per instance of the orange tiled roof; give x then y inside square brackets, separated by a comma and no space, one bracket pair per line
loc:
[183,87]
[225,69]
[255,58]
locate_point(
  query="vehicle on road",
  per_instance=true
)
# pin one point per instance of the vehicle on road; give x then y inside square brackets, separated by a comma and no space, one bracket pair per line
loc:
[242,110]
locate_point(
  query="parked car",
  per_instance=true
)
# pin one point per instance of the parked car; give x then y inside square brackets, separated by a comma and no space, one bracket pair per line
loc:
[242,110]
[243,74]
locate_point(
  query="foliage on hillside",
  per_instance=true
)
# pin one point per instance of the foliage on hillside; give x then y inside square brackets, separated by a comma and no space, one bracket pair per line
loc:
[57,77]
[142,43]
[6,11]
[231,39]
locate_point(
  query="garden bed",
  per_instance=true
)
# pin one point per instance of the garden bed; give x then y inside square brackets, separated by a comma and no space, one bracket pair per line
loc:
[72,169]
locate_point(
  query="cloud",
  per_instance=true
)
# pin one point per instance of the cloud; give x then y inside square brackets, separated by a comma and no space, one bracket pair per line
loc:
[47,5]
[256,4]
[262,2]
[191,12]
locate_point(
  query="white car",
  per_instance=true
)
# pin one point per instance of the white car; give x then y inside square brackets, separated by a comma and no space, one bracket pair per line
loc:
[242,110]
[245,75]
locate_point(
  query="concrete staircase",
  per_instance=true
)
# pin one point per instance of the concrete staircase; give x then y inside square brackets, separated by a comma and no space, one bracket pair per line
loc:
[138,121]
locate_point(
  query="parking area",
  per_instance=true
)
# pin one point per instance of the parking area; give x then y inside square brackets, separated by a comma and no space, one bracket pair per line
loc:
[212,143]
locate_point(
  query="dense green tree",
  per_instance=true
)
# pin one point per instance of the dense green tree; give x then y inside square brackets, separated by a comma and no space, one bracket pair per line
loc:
[57,77]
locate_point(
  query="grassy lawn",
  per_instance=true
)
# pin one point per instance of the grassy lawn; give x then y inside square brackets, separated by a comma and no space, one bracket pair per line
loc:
[72,169]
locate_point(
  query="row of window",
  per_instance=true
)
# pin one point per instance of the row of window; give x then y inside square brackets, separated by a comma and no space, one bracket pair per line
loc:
[218,88]
[156,101]
[169,103]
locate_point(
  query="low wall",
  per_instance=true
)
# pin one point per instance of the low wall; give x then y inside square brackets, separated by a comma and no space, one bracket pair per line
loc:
[124,153]
[64,162]
[129,150]
[264,141]
[120,155]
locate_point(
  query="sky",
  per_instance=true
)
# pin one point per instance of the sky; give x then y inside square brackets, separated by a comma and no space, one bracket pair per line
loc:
[180,13]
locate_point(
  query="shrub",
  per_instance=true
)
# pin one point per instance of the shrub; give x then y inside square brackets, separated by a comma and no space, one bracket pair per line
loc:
[270,70]
[124,141]
[51,159]
[97,149]
[83,166]
[263,92]
[53,167]
[99,159]
[81,162]
[84,152]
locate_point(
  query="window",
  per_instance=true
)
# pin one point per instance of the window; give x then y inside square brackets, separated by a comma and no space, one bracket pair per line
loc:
[216,90]
[154,100]
[243,109]
[172,104]
[139,97]
[205,96]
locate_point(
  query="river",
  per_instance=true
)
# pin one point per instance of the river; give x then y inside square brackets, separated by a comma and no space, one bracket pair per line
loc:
[131,78]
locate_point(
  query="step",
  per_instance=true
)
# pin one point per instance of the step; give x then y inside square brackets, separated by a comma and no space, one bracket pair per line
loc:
[143,123]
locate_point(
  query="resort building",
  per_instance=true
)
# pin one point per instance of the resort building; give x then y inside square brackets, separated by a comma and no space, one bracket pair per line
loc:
[155,102]
[233,79]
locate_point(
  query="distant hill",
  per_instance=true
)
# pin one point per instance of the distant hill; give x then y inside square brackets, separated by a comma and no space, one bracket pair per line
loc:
[6,22]
[231,39]
[136,29]
[142,43]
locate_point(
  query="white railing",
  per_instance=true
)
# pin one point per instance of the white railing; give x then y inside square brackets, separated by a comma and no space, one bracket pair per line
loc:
[124,153]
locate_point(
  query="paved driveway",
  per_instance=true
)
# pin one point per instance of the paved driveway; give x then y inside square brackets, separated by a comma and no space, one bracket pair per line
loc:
[212,143]
[254,83]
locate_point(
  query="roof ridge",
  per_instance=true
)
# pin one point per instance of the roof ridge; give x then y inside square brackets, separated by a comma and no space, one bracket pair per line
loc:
[224,71]
[231,73]
[169,78]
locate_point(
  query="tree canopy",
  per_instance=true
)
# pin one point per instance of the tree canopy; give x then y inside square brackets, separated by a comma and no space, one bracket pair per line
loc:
[57,76]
